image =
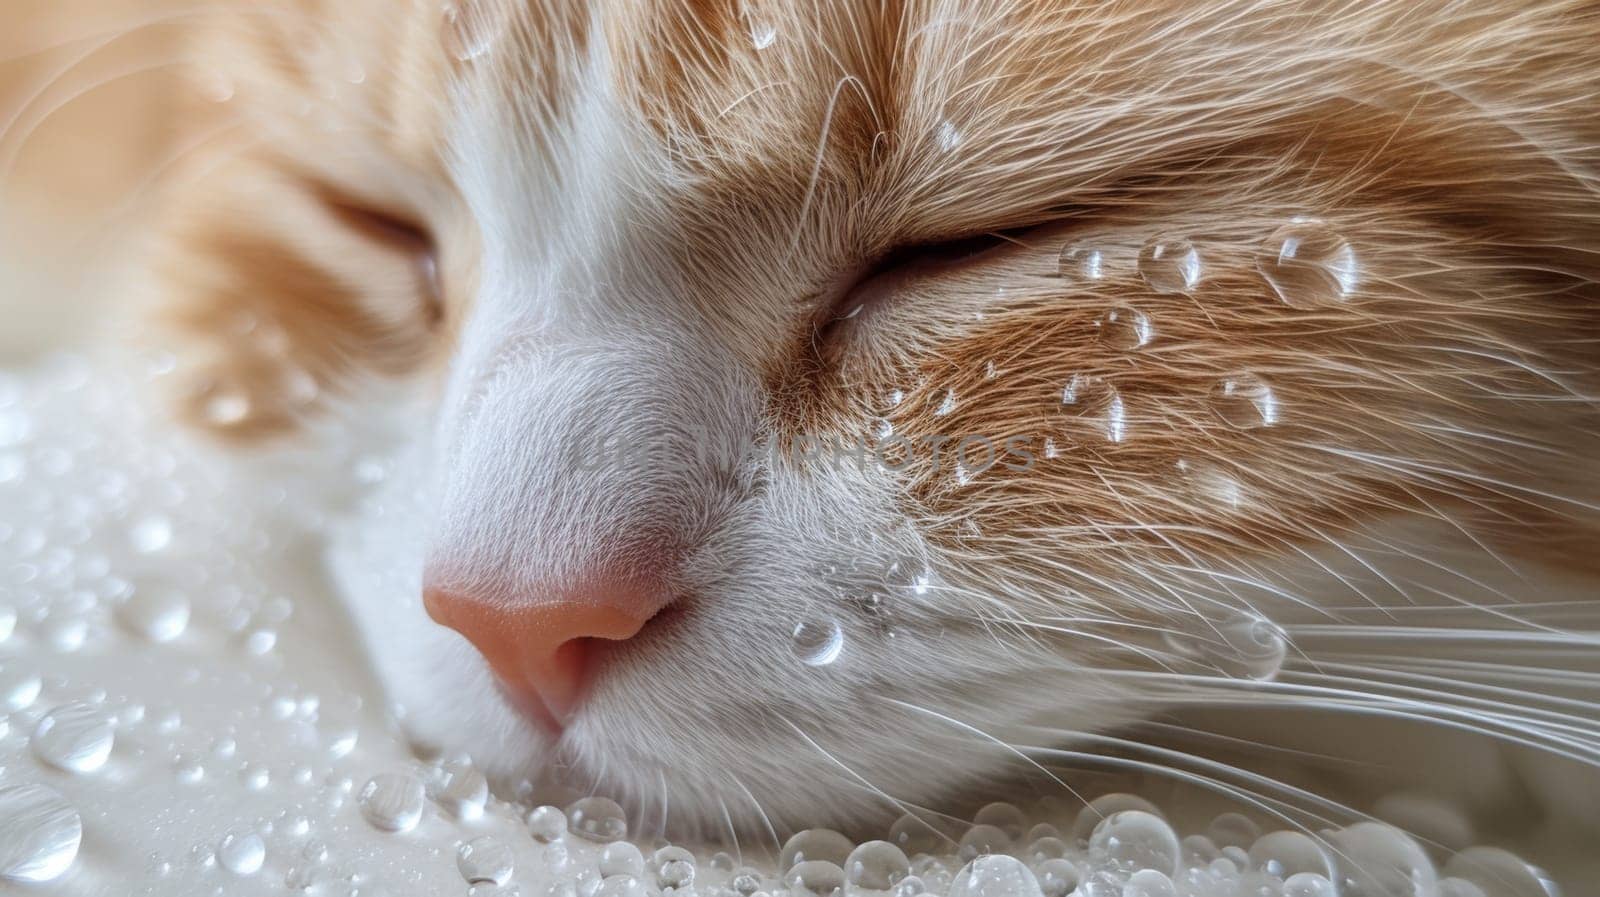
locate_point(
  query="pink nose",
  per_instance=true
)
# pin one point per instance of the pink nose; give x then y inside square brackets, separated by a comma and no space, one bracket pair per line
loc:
[541,649]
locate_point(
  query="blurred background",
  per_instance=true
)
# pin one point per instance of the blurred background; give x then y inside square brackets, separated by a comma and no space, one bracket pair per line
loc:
[86,93]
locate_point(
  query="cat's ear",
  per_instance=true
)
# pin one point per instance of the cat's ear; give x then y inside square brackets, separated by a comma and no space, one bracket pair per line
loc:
[278,291]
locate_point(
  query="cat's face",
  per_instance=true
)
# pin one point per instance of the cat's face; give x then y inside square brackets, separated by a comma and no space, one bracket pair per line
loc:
[914,375]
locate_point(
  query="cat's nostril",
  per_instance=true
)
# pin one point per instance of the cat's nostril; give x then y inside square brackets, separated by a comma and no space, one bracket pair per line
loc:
[541,648]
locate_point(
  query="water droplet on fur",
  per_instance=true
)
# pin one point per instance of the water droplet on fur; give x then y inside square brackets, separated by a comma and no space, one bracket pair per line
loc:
[1057,877]
[74,738]
[946,404]
[1499,872]
[762,34]
[156,614]
[876,865]
[814,878]
[1134,839]
[1079,262]
[817,642]
[597,819]
[1233,830]
[1286,853]
[1245,402]
[1005,816]
[1308,264]
[1309,884]
[392,801]
[1124,327]
[815,844]
[673,867]
[18,687]
[981,840]
[621,858]
[485,859]
[467,35]
[914,835]
[459,788]
[947,136]
[226,408]
[1377,860]
[1170,265]
[39,833]
[995,876]
[242,854]
[546,824]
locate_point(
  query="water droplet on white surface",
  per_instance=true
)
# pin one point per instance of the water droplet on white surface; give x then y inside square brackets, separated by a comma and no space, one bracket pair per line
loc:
[392,801]
[1233,830]
[1286,853]
[242,854]
[673,866]
[1377,860]
[1170,265]
[1134,839]
[459,789]
[485,859]
[1005,816]
[156,614]
[815,844]
[1500,873]
[914,835]
[151,534]
[19,688]
[1149,883]
[74,738]
[876,865]
[1308,264]
[982,840]
[1057,877]
[39,833]
[621,858]
[817,642]
[546,824]
[1245,402]
[1309,884]
[597,819]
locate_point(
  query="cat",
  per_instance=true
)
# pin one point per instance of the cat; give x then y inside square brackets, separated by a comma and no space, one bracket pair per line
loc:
[805,411]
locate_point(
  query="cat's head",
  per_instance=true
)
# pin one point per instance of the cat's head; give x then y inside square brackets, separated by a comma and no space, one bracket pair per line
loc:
[807,405]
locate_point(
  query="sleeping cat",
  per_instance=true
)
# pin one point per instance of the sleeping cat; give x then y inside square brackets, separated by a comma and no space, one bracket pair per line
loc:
[803,411]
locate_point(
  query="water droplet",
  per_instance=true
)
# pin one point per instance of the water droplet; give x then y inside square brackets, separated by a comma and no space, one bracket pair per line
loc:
[597,819]
[19,688]
[995,876]
[1102,807]
[621,858]
[74,738]
[39,833]
[1377,860]
[947,404]
[1245,401]
[981,840]
[546,824]
[1245,646]
[157,614]
[762,34]
[1134,839]
[876,865]
[1308,264]
[1057,877]
[1309,884]
[459,788]
[392,801]
[1499,872]
[467,34]
[947,136]
[814,844]
[1170,265]
[914,835]
[485,859]
[1124,327]
[1005,816]
[1149,883]
[1079,262]
[8,621]
[1286,853]
[242,854]
[622,886]
[814,878]
[673,866]
[1233,830]
[817,642]
[226,408]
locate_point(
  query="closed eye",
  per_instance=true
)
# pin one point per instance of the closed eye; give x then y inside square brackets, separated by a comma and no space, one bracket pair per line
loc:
[891,272]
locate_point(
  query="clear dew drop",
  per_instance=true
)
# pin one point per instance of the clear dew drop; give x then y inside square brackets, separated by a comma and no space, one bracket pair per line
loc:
[39,833]
[1233,830]
[74,737]
[814,844]
[1378,860]
[459,789]
[817,643]
[1246,645]
[1080,262]
[19,688]
[1124,327]
[762,34]
[1244,402]
[1097,810]
[1307,263]
[226,408]
[673,867]
[242,854]
[154,614]
[485,860]
[1057,877]
[1149,883]
[546,824]
[946,404]
[1310,884]
[1134,839]
[621,858]
[1170,265]
[947,136]
[914,835]
[392,801]
[876,865]
[1285,853]
[597,819]
[1496,871]
[995,875]
[982,840]
[1007,817]
[814,878]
